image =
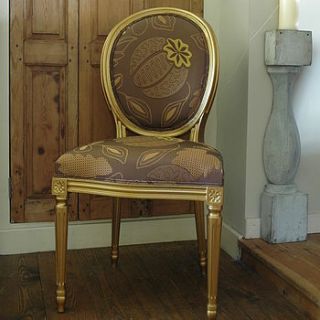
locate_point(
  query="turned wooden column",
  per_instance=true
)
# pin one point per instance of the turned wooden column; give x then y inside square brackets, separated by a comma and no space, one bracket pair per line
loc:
[283,207]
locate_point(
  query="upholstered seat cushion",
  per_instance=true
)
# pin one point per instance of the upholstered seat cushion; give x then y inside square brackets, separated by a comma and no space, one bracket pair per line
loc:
[142,159]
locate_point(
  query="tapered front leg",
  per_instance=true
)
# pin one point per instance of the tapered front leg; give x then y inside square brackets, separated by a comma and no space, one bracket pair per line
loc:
[215,199]
[200,226]
[214,234]
[59,189]
[116,218]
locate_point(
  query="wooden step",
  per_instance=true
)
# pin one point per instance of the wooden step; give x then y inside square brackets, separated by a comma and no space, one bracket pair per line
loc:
[294,268]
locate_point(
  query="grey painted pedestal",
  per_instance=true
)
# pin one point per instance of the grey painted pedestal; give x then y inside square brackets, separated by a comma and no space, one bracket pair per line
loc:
[283,207]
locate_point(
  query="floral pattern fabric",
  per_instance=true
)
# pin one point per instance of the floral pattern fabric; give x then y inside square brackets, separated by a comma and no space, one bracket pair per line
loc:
[142,159]
[159,70]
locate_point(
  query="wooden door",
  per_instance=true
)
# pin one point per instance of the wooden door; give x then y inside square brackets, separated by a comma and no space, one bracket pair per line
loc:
[57,101]
[44,101]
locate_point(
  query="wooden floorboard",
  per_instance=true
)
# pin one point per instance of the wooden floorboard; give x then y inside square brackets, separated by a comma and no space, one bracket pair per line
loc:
[294,268]
[157,281]
[20,288]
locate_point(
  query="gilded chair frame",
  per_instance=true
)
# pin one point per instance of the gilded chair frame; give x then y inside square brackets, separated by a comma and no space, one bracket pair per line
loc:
[211,195]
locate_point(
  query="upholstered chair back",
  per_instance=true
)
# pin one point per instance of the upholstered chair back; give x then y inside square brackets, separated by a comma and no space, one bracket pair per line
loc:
[159,72]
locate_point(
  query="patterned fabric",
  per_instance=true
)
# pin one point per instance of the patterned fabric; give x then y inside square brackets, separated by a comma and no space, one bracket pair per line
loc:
[159,71]
[142,159]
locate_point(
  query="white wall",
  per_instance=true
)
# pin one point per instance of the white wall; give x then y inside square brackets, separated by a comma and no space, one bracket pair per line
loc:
[306,101]
[263,17]
[226,114]
[244,104]
[232,106]
[4,116]
[306,105]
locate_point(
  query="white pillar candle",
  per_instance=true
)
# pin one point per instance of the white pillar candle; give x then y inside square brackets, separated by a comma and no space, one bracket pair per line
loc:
[288,14]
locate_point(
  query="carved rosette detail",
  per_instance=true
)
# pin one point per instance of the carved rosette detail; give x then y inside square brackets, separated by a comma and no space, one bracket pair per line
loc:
[215,196]
[59,187]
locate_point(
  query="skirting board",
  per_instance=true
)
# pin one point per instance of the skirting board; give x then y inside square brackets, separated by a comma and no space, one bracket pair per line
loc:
[253,226]
[28,238]
[97,234]
[229,241]
[313,222]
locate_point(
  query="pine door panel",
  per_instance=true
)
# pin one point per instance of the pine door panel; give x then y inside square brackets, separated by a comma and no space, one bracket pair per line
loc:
[45,139]
[45,118]
[47,17]
[43,101]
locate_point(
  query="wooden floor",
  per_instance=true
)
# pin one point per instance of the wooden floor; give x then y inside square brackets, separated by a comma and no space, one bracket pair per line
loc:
[294,268]
[151,282]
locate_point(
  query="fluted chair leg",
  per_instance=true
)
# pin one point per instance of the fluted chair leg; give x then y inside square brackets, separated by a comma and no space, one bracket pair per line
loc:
[116,218]
[214,234]
[200,227]
[61,250]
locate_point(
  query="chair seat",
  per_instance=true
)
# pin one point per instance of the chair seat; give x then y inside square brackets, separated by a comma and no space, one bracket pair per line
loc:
[141,159]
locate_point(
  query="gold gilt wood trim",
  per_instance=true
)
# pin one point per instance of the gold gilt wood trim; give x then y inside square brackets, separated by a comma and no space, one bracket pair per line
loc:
[212,82]
[194,132]
[212,195]
[215,197]
[59,187]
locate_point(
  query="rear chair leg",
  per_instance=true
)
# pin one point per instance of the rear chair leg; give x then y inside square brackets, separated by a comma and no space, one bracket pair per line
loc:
[200,227]
[214,235]
[59,189]
[116,218]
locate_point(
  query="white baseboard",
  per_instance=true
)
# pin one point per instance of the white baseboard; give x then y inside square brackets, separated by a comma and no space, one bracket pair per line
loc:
[253,228]
[314,222]
[98,234]
[27,238]
[229,241]
[253,225]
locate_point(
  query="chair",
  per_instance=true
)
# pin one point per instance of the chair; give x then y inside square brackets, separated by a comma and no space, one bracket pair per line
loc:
[159,73]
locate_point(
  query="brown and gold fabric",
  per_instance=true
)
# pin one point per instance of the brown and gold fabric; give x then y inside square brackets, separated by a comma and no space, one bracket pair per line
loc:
[159,71]
[144,160]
